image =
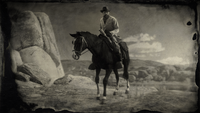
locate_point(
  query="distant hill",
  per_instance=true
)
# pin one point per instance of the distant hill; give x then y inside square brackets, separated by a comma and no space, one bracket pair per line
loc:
[133,63]
[80,67]
[77,63]
[77,67]
[138,68]
[143,63]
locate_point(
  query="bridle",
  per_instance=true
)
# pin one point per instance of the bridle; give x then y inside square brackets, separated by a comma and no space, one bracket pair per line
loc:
[80,52]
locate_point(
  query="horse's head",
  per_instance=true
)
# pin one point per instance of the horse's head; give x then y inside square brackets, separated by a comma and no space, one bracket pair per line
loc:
[80,45]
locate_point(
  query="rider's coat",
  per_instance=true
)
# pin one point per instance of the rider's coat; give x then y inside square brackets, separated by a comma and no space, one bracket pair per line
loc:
[110,25]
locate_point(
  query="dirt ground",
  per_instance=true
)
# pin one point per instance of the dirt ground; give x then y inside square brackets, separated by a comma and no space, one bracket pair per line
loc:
[79,95]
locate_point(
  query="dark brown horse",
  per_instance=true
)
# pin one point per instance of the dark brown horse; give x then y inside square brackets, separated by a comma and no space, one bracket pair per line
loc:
[103,58]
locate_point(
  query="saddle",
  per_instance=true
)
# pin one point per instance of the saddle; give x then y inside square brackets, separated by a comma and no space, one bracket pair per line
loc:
[120,42]
[122,47]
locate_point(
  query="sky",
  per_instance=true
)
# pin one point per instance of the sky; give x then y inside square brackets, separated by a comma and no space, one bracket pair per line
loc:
[151,31]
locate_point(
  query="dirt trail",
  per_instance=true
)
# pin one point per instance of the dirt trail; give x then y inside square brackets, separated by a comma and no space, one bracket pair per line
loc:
[80,95]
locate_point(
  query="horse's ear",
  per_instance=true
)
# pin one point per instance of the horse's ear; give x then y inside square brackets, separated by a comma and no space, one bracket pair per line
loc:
[79,33]
[74,35]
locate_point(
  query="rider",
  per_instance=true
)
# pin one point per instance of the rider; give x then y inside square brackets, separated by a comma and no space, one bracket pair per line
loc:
[110,26]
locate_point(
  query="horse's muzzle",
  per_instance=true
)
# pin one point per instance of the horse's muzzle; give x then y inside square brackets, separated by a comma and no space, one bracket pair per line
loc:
[76,57]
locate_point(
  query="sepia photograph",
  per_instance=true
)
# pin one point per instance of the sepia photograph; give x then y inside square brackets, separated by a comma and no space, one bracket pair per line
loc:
[99,56]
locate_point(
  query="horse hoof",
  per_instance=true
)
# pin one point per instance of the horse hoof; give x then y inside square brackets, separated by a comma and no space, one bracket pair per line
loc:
[114,93]
[98,98]
[127,92]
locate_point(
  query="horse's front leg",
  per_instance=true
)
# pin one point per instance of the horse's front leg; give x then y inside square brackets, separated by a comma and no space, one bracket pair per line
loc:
[97,83]
[117,81]
[105,81]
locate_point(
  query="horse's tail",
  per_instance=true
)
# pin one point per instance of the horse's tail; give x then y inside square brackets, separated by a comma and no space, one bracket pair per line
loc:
[126,62]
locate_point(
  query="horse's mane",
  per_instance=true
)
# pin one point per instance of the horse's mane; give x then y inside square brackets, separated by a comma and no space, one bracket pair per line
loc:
[86,33]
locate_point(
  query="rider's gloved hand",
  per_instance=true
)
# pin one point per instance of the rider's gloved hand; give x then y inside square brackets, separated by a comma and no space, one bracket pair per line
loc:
[108,33]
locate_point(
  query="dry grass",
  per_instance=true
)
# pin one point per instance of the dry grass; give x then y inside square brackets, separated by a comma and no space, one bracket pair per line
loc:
[169,102]
[80,95]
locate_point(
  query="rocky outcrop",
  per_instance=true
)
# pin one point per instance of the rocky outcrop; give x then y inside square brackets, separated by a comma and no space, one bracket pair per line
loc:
[181,75]
[48,37]
[64,80]
[25,31]
[33,48]
[142,74]
[81,82]
[40,58]
[132,78]
[36,74]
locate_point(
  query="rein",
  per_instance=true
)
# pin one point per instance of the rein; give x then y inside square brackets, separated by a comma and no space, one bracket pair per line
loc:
[87,46]
[82,52]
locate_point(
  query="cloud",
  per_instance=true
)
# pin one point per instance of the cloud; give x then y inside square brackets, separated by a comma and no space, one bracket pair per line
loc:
[146,37]
[174,60]
[143,44]
[140,38]
[145,47]
[154,54]
[131,39]
[137,55]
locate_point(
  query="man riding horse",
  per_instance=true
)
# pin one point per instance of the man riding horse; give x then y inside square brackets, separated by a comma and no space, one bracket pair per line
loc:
[106,52]
[109,27]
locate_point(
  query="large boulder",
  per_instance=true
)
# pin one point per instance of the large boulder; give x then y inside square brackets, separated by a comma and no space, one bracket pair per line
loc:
[142,74]
[132,78]
[16,59]
[39,57]
[16,62]
[152,70]
[48,37]
[49,40]
[166,71]
[36,74]
[135,73]
[81,82]
[148,78]
[33,42]
[25,31]
[158,78]
[64,80]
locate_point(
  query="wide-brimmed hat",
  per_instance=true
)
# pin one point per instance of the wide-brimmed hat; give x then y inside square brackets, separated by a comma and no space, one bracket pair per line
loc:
[106,9]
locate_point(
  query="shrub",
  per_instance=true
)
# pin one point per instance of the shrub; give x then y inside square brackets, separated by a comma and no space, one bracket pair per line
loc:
[158,78]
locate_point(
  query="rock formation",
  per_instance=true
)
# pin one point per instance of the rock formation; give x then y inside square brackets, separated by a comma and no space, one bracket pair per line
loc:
[33,48]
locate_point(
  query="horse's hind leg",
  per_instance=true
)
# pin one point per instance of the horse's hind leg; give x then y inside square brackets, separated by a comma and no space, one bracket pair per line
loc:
[117,81]
[126,75]
[97,83]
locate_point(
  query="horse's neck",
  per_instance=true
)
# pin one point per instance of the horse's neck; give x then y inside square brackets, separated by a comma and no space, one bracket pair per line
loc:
[95,44]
